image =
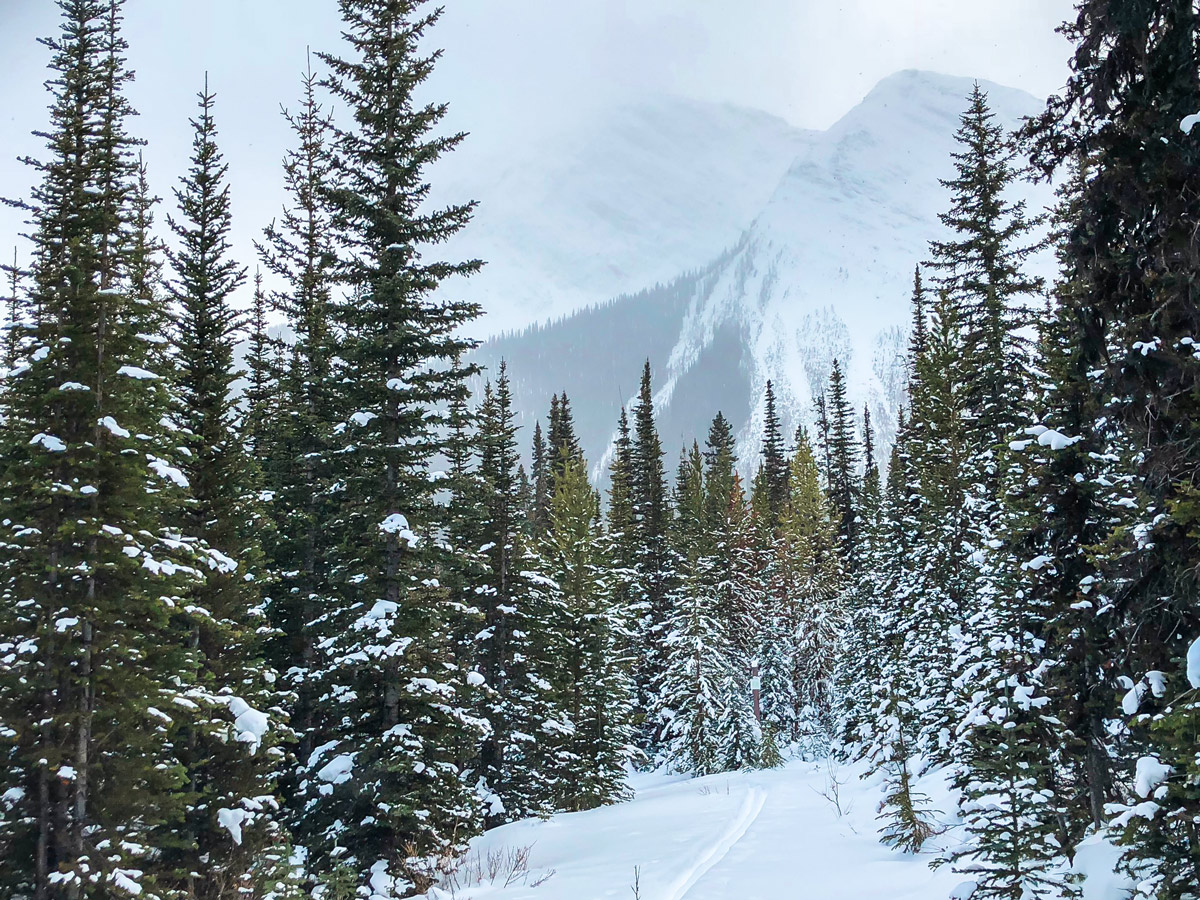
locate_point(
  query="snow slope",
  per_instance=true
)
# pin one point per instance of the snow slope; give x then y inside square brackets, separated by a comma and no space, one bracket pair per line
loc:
[771,835]
[826,268]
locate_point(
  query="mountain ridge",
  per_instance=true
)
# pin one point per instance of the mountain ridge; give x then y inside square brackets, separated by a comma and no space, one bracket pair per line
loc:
[823,271]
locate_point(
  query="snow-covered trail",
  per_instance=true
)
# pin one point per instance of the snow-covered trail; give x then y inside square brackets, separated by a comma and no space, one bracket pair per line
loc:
[806,831]
[749,836]
[715,854]
[799,846]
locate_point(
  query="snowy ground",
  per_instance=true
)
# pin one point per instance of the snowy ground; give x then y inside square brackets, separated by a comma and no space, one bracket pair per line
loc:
[772,835]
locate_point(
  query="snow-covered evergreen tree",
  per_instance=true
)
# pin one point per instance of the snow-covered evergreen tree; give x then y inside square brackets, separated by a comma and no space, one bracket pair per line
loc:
[805,588]
[654,566]
[94,665]
[387,788]
[229,752]
[1124,117]
[689,700]
[296,429]
[592,680]
[841,451]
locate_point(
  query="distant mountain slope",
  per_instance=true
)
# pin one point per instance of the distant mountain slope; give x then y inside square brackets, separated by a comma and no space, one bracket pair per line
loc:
[824,271]
[634,197]
[596,357]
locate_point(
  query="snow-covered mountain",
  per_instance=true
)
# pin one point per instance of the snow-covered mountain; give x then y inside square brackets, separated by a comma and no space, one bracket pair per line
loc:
[613,203]
[824,270]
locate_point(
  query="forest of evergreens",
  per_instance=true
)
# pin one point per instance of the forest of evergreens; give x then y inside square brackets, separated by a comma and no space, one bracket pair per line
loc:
[304,627]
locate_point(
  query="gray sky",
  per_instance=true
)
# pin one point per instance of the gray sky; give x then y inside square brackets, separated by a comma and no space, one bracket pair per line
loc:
[513,67]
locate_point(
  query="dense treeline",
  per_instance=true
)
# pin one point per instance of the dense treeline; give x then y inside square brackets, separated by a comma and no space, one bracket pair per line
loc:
[309,636]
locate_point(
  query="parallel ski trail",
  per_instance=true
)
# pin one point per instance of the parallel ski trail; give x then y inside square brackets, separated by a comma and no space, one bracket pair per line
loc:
[751,807]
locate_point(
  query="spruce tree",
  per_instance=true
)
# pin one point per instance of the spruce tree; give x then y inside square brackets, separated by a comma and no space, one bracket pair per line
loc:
[918,336]
[805,590]
[228,756]
[720,470]
[1130,251]
[539,481]
[562,444]
[592,680]
[907,820]
[654,563]
[871,486]
[933,578]
[387,788]
[12,305]
[734,578]
[95,668]
[775,462]
[699,657]
[842,451]
[981,267]
[296,463]
[262,375]
[515,652]
[621,520]
[878,687]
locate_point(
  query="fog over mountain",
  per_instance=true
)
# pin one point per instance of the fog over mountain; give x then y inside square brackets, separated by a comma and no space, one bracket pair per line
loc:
[721,299]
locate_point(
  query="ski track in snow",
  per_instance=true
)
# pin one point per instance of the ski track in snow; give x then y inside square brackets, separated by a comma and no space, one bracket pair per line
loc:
[755,835]
[751,807]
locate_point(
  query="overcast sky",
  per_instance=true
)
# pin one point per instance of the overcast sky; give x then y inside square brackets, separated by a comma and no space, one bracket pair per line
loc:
[512,67]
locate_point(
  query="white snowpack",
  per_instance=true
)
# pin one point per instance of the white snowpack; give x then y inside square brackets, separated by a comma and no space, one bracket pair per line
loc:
[1038,563]
[49,441]
[249,723]
[1150,773]
[338,769]
[398,525]
[232,820]
[761,834]
[1056,440]
[111,424]
[1193,664]
[168,472]
[1133,699]
[125,880]
[383,885]
[219,562]
[138,373]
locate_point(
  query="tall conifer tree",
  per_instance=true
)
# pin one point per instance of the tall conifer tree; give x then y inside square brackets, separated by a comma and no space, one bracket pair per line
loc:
[388,788]
[775,461]
[230,769]
[93,571]
[653,567]
[1130,251]
[842,451]
[297,465]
